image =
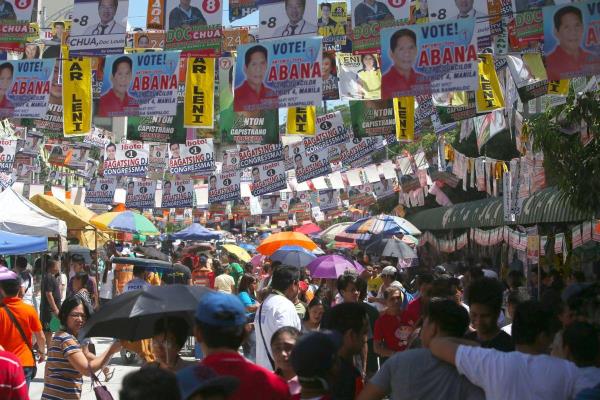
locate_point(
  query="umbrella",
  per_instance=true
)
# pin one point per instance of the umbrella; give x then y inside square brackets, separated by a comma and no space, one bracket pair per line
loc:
[14,243]
[237,251]
[196,232]
[151,252]
[131,315]
[341,245]
[248,247]
[383,224]
[277,240]
[258,260]
[328,234]
[307,229]
[125,221]
[332,266]
[295,256]
[198,247]
[352,237]
[391,248]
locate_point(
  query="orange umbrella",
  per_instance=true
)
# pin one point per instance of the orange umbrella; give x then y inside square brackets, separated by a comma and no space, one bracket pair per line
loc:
[277,240]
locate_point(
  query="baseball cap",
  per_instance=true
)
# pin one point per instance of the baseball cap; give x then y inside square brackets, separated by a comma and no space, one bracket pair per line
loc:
[315,354]
[221,310]
[198,378]
[389,270]
[6,274]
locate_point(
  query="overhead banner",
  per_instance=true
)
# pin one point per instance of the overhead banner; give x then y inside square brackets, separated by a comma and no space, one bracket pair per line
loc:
[281,73]
[25,87]
[329,199]
[309,166]
[140,84]
[571,41]
[357,149]
[178,194]
[268,178]
[224,187]
[280,18]
[99,27]
[369,19]
[199,111]
[256,155]
[404,113]
[194,157]
[443,59]
[488,125]
[164,129]
[301,120]
[372,118]
[140,194]
[330,131]
[332,20]
[384,188]
[126,159]
[98,138]
[489,94]
[270,205]
[77,88]
[8,148]
[359,76]
[529,75]
[101,191]
[194,26]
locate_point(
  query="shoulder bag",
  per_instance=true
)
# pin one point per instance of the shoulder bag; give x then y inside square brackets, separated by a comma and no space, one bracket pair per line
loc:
[100,390]
[18,326]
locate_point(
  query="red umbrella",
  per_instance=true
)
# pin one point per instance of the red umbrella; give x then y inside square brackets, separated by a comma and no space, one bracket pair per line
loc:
[307,229]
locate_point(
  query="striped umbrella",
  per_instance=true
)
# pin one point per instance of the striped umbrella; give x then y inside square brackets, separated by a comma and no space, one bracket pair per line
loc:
[383,224]
[125,221]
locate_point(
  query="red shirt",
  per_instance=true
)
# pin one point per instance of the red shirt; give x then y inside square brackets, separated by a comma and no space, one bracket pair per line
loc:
[391,330]
[246,99]
[203,278]
[413,312]
[12,378]
[6,107]
[112,106]
[559,64]
[394,84]
[256,382]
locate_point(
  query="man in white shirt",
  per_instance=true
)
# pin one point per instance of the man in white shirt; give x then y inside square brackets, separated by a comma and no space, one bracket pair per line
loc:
[276,311]
[107,10]
[296,24]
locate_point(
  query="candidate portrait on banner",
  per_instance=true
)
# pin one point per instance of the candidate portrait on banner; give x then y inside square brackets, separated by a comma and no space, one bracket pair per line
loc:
[185,15]
[7,12]
[296,24]
[371,11]
[118,101]
[107,10]
[6,78]
[253,93]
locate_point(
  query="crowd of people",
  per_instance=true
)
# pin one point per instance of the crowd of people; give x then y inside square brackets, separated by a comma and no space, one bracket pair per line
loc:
[270,331]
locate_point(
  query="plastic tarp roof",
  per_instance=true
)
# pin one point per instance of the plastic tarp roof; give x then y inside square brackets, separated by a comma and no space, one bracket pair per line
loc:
[15,244]
[19,215]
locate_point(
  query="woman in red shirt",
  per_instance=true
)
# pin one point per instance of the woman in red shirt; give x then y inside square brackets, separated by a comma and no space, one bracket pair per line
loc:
[390,336]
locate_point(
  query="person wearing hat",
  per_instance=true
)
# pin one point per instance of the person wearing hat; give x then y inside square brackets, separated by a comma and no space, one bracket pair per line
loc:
[220,329]
[388,276]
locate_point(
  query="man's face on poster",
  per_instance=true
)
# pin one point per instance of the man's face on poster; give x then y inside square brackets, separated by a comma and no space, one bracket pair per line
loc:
[256,69]
[570,32]
[167,188]
[122,78]
[294,10]
[59,29]
[175,151]
[130,187]
[404,53]
[326,12]
[106,11]
[464,6]
[256,175]
[5,81]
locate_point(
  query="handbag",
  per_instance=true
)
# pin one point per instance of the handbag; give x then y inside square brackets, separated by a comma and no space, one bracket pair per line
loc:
[100,390]
[18,326]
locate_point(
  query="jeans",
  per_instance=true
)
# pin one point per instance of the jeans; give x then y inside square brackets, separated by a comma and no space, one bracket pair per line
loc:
[28,371]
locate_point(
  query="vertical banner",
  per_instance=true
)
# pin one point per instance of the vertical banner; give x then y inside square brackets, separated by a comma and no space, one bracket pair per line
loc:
[301,120]
[329,76]
[178,194]
[199,93]
[77,89]
[332,21]
[156,14]
[404,113]
[25,88]
[489,94]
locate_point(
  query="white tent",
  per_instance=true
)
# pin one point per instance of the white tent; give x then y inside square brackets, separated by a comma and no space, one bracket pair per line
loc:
[19,215]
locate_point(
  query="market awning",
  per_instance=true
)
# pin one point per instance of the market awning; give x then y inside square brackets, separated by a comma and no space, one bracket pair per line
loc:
[15,244]
[546,206]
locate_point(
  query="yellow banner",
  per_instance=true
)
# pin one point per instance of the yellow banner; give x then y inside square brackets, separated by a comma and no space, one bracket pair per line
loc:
[198,108]
[404,113]
[301,120]
[77,96]
[560,88]
[489,95]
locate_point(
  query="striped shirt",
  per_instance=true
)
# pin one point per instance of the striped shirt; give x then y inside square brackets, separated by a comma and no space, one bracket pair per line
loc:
[62,381]
[12,379]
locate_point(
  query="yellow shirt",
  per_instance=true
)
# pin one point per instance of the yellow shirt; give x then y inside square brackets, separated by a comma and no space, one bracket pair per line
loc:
[374,284]
[371,84]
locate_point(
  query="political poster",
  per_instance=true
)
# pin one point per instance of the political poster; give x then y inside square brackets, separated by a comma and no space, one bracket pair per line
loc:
[199,111]
[384,188]
[241,208]
[268,178]
[149,40]
[163,129]
[233,37]
[58,152]
[309,166]
[99,27]
[77,87]
[143,84]
[329,199]
[301,120]
[280,19]
[270,204]
[126,159]
[454,106]
[529,75]
[231,160]
[194,157]
[178,194]
[24,167]
[404,114]
[8,148]
[278,73]
[330,131]
[157,162]
[140,194]
[101,190]
[440,58]
[155,15]
[289,152]
[372,118]
[262,154]
[445,11]
[194,26]
[525,30]
[241,8]
[357,149]
[571,41]
[25,88]
[79,155]
[488,125]
[369,18]
[224,187]
[489,95]
[332,21]
[15,16]
[98,138]
[33,141]
[330,77]
[361,195]
[359,76]
[299,202]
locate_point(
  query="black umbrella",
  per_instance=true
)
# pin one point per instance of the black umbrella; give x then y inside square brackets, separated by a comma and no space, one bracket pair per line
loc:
[151,252]
[131,315]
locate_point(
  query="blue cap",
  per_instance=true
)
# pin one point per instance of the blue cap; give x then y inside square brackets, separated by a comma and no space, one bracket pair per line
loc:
[195,379]
[221,309]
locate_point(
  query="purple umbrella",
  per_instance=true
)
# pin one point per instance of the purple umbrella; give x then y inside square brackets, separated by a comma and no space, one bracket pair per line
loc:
[332,266]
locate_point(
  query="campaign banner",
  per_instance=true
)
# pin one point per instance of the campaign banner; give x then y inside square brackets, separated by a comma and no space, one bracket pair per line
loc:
[140,194]
[52,121]
[309,166]
[369,19]
[384,188]
[241,208]
[24,167]
[330,77]
[178,194]
[78,156]
[404,113]
[270,204]
[199,111]
[8,148]
[149,40]
[126,159]
[357,149]
[444,11]
[442,59]
[14,22]
[299,202]
[99,27]
[77,87]
[31,144]
[157,164]
[224,187]
[163,129]
[329,199]
[289,152]
[571,41]
[98,138]
[233,37]
[488,125]
[454,106]
[268,178]
[359,76]
[231,160]
[263,154]
[241,8]
[25,88]
[332,20]
[58,152]
[361,195]
[194,157]
[101,190]
[489,95]
[301,120]
[155,16]
[330,131]
[280,19]
[278,73]
[372,118]
[525,29]
[194,26]
[529,75]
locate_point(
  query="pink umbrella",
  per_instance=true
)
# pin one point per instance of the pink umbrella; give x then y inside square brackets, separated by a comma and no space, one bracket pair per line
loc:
[257,261]
[332,266]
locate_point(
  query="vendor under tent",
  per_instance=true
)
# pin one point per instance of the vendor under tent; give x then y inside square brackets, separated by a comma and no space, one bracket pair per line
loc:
[196,232]
[15,244]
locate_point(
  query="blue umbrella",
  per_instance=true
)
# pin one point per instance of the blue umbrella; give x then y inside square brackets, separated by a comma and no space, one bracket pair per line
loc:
[294,256]
[196,232]
[248,247]
[14,244]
